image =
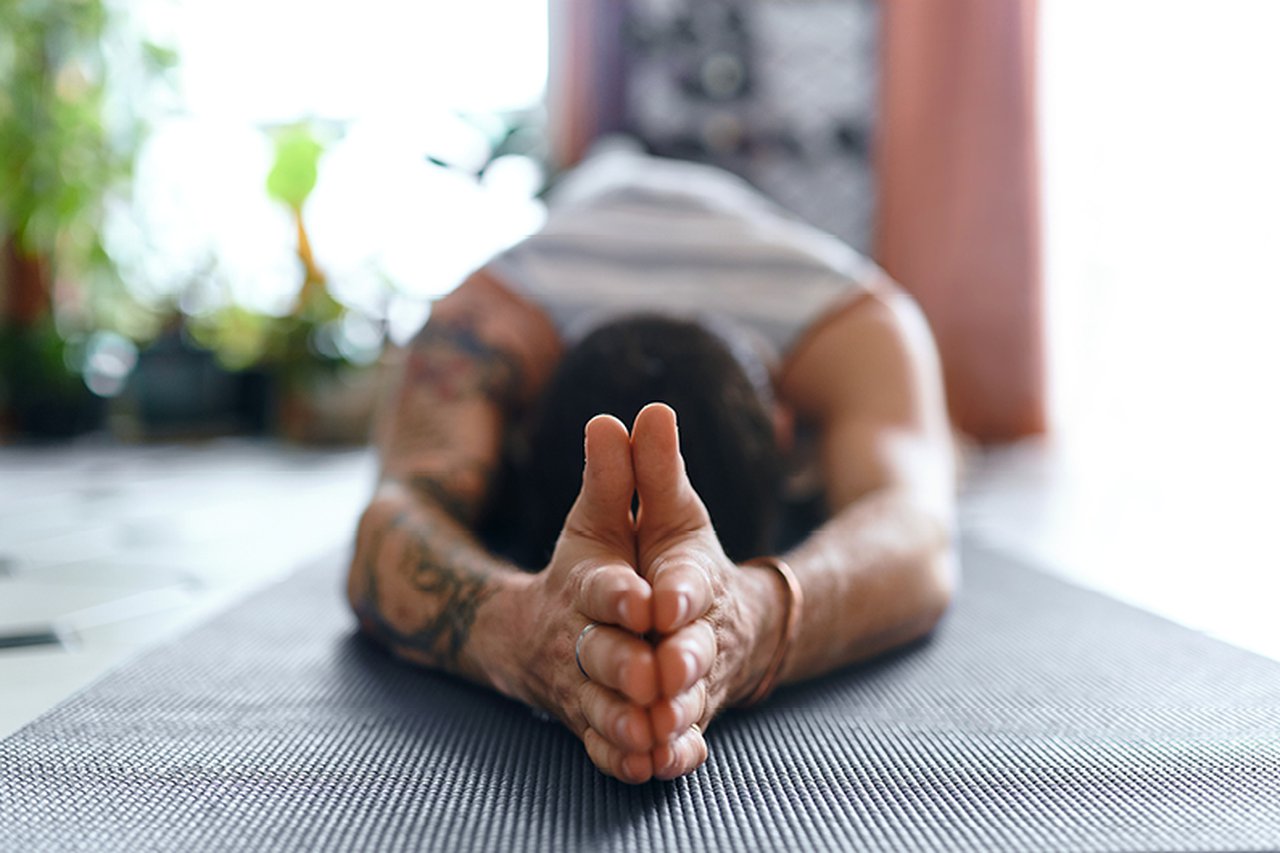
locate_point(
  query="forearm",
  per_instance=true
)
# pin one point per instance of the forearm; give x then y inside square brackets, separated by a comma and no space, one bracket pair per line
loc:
[421,584]
[877,575]
[420,580]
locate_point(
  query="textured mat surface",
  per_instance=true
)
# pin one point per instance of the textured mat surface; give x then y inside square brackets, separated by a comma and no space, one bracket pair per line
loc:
[1040,716]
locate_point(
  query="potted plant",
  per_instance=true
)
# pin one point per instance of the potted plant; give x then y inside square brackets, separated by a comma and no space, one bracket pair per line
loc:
[321,393]
[62,153]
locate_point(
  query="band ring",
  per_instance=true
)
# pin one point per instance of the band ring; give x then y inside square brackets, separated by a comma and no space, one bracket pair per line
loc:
[577,647]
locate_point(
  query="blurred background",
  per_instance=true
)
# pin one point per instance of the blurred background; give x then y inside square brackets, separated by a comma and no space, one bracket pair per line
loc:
[218,220]
[216,215]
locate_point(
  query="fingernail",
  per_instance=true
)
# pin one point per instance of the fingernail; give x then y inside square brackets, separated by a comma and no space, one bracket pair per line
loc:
[682,607]
[690,666]
[620,729]
[670,763]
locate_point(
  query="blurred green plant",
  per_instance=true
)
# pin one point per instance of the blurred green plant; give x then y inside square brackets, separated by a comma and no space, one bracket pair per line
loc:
[296,346]
[317,336]
[69,132]
[297,165]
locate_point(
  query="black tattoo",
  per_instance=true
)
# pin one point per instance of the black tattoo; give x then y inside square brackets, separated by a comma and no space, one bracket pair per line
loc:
[449,363]
[460,491]
[440,564]
[456,363]
[426,602]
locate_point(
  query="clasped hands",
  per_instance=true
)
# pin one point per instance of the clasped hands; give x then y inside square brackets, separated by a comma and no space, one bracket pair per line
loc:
[681,632]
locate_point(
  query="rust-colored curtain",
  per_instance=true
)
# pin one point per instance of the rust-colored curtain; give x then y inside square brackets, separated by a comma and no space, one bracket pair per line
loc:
[958,216]
[585,90]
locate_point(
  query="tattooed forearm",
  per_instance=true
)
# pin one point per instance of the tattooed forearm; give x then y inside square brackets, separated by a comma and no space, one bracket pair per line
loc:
[437,563]
[456,363]
[421,580]
[459,490]
[444,443]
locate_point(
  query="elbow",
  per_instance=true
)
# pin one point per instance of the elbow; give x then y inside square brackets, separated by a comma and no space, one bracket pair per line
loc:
[362,574]
[939,583]
[940,592]
[936,572]
[930,564]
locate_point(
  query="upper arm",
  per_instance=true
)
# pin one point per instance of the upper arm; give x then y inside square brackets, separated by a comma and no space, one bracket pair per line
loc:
[870,379]
[482,355]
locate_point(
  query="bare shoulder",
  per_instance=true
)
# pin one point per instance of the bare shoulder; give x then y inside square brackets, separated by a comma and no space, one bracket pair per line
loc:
[503,319]
[869,379]
[876,354]
[483,354]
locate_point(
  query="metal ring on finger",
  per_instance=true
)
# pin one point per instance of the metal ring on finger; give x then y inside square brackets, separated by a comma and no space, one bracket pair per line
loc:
[577,647]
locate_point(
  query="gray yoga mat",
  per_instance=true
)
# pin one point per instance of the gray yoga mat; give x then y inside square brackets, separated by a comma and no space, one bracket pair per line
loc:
[1040,716]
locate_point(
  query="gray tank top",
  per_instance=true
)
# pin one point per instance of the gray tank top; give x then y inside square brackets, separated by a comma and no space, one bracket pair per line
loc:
[630,233]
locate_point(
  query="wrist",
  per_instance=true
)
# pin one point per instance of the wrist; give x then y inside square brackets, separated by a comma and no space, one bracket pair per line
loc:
[500,625]
[767,594]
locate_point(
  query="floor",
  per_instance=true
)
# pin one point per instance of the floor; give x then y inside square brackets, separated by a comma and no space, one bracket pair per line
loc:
[108,550]
[1179,528]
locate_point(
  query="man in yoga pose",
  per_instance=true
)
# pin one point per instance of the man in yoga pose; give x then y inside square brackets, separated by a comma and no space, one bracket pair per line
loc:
[639,594]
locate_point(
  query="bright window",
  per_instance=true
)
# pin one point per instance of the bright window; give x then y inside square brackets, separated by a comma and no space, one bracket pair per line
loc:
[1161,144]
[389,82]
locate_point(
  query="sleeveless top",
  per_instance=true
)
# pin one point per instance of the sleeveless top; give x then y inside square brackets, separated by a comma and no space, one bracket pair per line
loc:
[631,233]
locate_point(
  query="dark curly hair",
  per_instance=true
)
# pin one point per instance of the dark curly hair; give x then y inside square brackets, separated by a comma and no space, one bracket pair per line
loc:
[726,428]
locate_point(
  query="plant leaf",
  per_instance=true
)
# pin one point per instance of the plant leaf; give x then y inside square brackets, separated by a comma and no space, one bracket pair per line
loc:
[293,175]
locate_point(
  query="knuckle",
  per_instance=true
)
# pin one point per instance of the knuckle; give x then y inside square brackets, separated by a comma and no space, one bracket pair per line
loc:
[604,716]
[600,655]
[685,754]
[586,701]
[714,579]
[718,582]
[710,641]
[598,582]
[690,569]
[598,751]
[685,711]
[686,758]
[692,705]
[621,667]
[579,580]
[660,566]
[695,749]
